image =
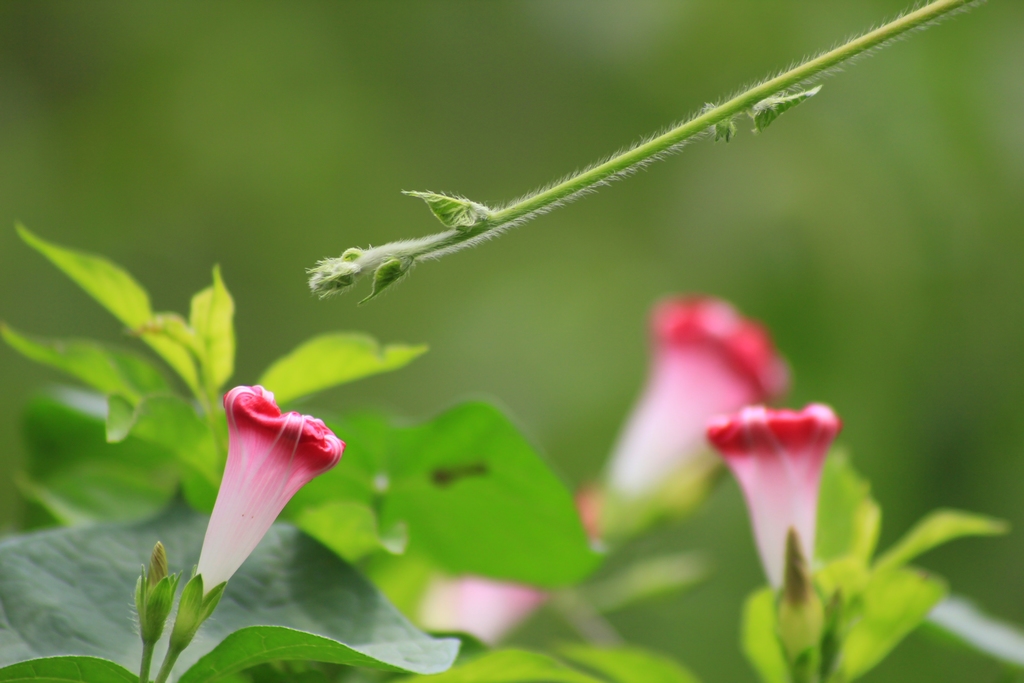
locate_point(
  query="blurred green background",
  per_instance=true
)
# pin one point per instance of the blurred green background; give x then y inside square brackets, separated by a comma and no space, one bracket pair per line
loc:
[878,230]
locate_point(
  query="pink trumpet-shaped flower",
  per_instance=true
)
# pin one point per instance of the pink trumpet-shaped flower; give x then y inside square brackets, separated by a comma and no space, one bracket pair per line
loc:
[480,607]
[706,360]
[270,457]
[777,456]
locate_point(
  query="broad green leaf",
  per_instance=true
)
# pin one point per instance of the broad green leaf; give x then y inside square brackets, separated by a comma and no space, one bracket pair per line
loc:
[478,499]
[849,519]
[175,355]
[771,108]
[760,642]
[292,598]
[937,528]
[106,370]
[628,664]
[893,604]
[962,620]
[170,423]
[332,359]
[647,578]
[509,666]
[117,291]
[77,476]
[212,317]
[346,527]
[67,670]
[474,495]
[107,283]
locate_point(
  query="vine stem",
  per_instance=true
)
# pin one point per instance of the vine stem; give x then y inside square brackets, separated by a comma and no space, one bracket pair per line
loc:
[147,661]
[392,261]
[738,104]
[169,660]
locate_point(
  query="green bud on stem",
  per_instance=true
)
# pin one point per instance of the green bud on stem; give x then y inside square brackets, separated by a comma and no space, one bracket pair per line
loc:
[801,613]
[154,598]
[194,607]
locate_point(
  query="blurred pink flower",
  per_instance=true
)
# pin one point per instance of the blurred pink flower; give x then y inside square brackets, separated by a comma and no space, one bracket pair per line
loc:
[481,607]
[706,360]
[270,457]
[777,457]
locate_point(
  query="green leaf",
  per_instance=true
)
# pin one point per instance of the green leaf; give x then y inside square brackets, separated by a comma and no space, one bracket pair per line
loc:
[647,578]
[771,108]
[332,359]
[67,670]
[175,355]
[117,291]
[171,423]
[962,620]
[106,370]
[937,528]
[291,599]
[453,212]
[120,418]
[848,517]
[346,527]
[77,476]
[760,643]
[212,319]
[894,604]
[509,666]
[473,494]
[107,283]
[628,664]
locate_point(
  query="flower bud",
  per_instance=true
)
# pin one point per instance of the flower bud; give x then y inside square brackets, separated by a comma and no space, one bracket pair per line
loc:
[270,457]
[154,596]
[194,608]
[777,456]
[157,564]
[801,613]
[706,360]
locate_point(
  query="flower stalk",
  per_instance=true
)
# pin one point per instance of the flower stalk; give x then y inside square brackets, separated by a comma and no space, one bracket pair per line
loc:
[470,223]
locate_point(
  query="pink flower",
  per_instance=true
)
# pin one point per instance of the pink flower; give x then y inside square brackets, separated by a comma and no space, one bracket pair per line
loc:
[270,457]
[777,456]
[706,360]
[480,607]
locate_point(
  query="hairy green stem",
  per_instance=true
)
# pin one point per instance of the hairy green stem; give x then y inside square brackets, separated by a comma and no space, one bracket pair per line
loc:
[472,223]
[169,659]
[147,661]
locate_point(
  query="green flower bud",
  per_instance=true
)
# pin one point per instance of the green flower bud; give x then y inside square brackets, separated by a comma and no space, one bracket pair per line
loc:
[194,608]
[801,614]
[154,595]
[157,565]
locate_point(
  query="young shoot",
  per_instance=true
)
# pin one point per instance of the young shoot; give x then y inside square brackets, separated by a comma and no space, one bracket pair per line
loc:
[469,223]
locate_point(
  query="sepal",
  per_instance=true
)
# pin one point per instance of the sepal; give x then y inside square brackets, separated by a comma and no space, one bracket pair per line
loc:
[194,608]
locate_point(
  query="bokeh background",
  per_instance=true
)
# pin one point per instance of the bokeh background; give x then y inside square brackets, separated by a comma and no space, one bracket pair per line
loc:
[878,229]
